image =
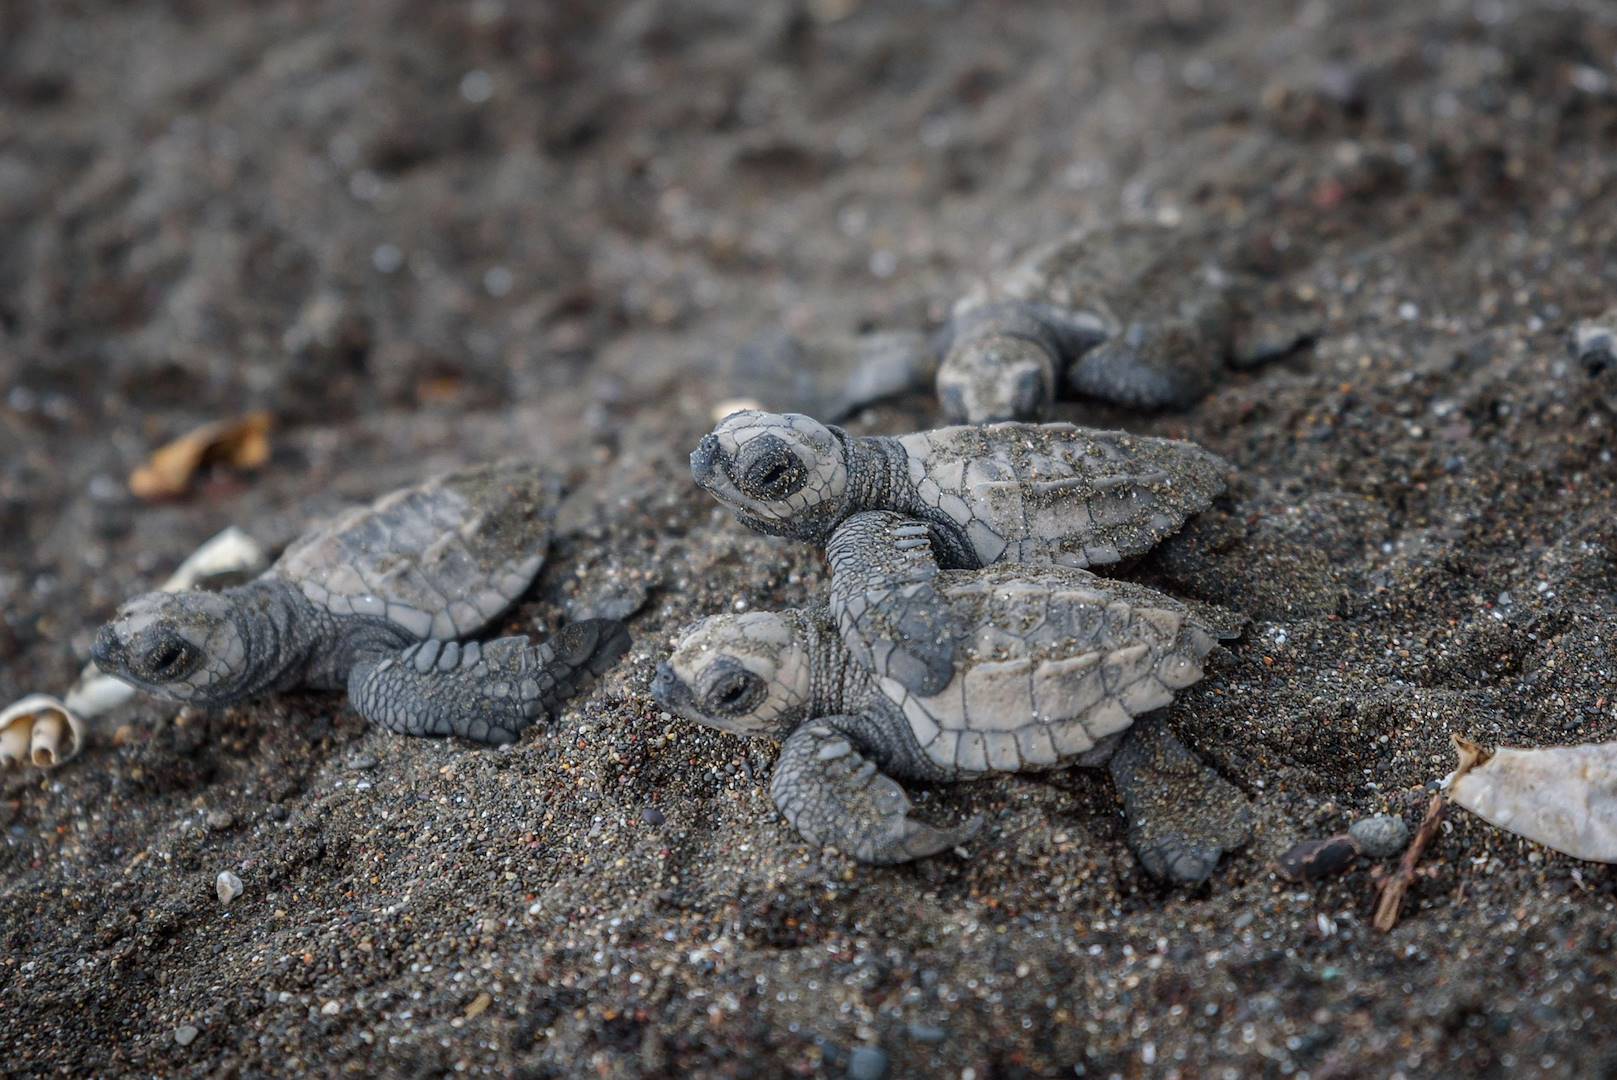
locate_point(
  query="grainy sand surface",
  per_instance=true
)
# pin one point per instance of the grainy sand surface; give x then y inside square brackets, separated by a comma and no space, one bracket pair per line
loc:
[424,234]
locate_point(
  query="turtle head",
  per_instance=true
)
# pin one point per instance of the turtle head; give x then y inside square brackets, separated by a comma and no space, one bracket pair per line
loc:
[184,646]
[748,674]
[996,377]
[784,474]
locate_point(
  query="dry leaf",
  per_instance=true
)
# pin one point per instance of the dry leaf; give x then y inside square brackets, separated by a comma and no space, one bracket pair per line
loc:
[1564,797]
[240,444]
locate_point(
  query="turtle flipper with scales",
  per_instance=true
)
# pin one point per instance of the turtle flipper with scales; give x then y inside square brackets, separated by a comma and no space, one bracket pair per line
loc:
[1007,492]
[377,601]
[1052,666]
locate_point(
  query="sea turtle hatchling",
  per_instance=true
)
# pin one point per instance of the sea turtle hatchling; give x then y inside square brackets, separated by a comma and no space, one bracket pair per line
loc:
[377,601]
[1058,665]
[997,493]
[1132,314]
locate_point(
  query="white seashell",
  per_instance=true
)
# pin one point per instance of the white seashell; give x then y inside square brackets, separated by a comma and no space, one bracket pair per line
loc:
[1564,797]
[45,731]
[39,730]
[734,405]
[230,552]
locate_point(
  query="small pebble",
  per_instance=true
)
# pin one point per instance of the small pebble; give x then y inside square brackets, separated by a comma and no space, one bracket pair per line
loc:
[652,816]
[330,1008]
[186,1035]
[1381,836]
[867,1063]
[220,820]
[228,886]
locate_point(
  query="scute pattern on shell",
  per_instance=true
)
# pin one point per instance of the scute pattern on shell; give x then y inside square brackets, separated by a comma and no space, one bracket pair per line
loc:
[1060,493]
[439,560]
[1060,660]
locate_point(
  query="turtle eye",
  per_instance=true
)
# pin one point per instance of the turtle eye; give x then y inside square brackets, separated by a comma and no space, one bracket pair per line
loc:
[168,658]
[735,693]
[769,470]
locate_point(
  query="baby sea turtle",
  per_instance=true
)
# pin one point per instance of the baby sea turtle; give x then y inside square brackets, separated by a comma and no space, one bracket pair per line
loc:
[1056,668]
[1131,314]
[1007,492]
[376,601]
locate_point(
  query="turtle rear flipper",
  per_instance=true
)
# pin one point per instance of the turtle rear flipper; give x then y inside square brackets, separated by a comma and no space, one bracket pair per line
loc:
[833,795]
[1182,815]
[488,692]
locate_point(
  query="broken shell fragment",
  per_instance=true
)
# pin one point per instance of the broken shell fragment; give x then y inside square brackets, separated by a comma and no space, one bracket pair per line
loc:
[1564,797]
[40,730]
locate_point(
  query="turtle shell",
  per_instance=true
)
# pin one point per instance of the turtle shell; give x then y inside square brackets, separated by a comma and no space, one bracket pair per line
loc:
[440,560]
[1116,275]
[1059,660]
[1056,492]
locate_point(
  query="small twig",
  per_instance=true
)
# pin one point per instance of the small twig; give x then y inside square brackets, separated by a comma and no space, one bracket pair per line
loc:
[1393,888]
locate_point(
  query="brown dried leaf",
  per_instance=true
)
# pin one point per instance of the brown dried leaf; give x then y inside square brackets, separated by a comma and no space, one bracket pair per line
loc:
[238,444]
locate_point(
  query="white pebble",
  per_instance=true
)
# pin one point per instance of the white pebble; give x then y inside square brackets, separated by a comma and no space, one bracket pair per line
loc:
[476,87]
[228,886]
[387,258]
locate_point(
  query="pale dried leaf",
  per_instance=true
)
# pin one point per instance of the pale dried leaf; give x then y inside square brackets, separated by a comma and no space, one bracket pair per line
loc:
[1564,797]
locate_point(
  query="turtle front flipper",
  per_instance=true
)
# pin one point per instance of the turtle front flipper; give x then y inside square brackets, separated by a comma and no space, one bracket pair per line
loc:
[488,692]
[1167,365]
[1182,815]
[833,795]
[886,605]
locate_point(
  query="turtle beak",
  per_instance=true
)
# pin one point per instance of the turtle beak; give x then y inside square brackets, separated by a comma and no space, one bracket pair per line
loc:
[668,691]
[107,651]
[705,459]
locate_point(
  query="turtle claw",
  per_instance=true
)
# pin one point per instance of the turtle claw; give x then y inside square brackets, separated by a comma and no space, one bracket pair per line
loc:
[1178,860]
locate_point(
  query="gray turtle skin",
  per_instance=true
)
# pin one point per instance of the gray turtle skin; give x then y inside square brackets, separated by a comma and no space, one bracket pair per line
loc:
[1130,314]
[375,602]
[832,376]
[1593,344]
[1055,669]
[1007,492]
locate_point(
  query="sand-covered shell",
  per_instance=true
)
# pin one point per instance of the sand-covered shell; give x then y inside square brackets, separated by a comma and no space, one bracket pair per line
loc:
[1564,797]
[1059,659]
[1056,492]
[1116,274]
[439,560]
